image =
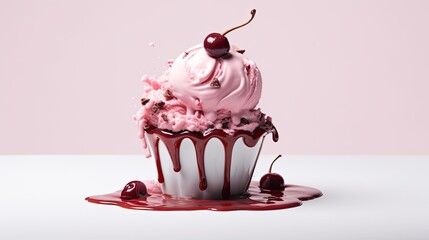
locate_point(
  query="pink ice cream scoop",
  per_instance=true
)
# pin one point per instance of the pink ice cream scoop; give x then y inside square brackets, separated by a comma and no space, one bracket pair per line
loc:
[207,84]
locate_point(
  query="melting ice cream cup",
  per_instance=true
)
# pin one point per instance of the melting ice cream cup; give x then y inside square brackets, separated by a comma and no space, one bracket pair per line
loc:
[205,166]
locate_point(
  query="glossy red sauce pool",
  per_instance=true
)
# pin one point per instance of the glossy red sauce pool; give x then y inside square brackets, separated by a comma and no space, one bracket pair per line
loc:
[255,199]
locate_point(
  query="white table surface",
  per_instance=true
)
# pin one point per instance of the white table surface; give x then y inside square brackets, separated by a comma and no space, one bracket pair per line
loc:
[365,197]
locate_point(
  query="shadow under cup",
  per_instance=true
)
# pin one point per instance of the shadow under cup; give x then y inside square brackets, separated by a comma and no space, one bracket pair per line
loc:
[216,165]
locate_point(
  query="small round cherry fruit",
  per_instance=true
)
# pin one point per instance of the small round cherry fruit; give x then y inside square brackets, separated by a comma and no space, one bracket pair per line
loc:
[272,181]
[217,45]
[134,189]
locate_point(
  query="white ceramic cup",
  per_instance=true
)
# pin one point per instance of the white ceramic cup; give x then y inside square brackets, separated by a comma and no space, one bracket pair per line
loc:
[185,183]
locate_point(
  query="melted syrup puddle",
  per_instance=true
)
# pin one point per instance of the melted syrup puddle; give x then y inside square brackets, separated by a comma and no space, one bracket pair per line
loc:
[292,196]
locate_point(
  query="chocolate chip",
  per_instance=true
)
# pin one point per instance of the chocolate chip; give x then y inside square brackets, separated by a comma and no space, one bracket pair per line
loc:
[244,121]
[168,95]
[240,51]
[144,101]
[164,117]
[225,123]
[268,125]
[156,106]
[215,83]
[159,104]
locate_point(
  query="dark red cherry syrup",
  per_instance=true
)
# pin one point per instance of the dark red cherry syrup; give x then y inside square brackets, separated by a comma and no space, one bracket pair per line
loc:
[255,199]
[173,141]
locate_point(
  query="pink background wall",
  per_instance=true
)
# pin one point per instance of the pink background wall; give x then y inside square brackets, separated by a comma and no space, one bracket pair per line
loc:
[340,77]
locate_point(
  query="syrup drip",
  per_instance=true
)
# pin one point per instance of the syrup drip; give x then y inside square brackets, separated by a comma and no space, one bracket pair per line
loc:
[254,199]
[173,140]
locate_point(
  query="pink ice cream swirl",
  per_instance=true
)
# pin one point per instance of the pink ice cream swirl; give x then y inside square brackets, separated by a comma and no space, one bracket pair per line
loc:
[206,84]
[199,93]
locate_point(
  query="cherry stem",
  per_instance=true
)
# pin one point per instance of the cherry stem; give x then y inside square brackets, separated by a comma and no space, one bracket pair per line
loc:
[253,12]
[271,166]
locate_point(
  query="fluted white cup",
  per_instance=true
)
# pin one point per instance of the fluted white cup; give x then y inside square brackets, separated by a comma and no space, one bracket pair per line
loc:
[185,183]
